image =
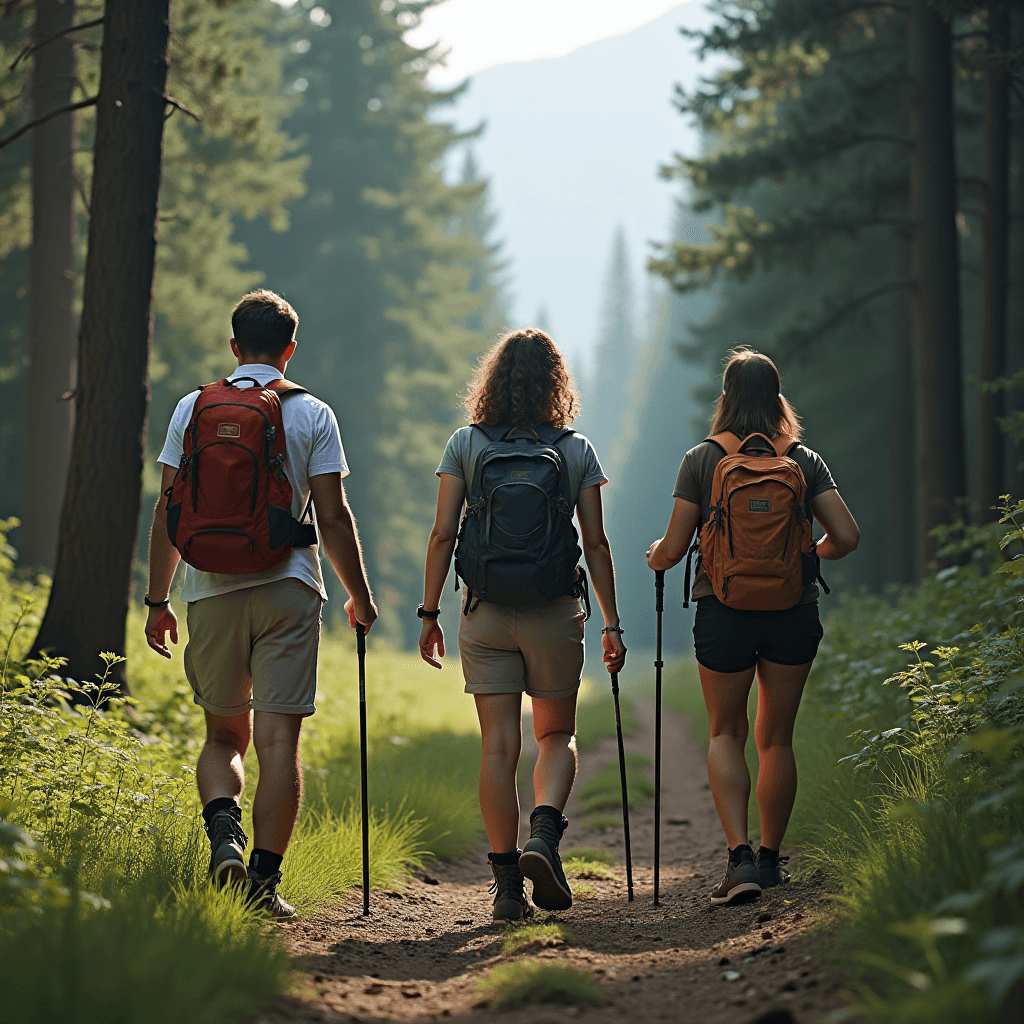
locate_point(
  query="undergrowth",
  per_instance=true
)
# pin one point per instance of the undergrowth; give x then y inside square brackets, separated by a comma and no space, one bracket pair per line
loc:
[912,785]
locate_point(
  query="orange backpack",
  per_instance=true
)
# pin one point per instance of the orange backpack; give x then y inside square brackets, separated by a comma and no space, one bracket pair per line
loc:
[757,544]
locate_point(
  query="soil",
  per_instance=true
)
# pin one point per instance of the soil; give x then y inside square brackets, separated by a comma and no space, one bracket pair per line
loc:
[421,953]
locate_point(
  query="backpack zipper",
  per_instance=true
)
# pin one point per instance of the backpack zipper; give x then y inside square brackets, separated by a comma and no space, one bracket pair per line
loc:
[255,478]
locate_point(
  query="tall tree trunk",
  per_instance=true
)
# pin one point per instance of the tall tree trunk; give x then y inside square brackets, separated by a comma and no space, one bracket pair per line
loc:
[51,287]
[989,482]
[99,519]
[941,473]
[902,541]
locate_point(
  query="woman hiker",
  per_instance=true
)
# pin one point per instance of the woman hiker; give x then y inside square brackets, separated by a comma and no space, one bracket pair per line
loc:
[520,472]
[732,643]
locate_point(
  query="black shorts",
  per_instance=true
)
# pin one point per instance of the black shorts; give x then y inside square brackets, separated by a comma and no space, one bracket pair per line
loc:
[729,640]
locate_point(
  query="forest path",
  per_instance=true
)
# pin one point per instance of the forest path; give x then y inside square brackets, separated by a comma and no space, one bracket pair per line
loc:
[421,953]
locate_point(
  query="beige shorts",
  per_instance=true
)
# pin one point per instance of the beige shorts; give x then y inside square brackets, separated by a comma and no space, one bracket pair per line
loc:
[536,649]
[255,648]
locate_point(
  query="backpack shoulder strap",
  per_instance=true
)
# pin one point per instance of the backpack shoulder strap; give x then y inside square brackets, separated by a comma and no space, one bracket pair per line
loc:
[283,387]
[727,441]
[493,432]
[784,444]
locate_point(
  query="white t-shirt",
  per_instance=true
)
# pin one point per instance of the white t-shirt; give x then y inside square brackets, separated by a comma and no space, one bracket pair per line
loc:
[313,444]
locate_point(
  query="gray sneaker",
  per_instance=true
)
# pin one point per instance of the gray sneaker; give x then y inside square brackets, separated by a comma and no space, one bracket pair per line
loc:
[742,881]
[542,864]
[770,868]
[509,887]
[227,849]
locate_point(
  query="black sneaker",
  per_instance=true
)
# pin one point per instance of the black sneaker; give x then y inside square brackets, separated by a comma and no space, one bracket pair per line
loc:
[227,849]
[509,887]
[741,883]
[541,863]
[770,868]
[264,896]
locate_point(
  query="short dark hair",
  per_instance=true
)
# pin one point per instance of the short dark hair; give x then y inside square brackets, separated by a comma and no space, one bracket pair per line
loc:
[263,324]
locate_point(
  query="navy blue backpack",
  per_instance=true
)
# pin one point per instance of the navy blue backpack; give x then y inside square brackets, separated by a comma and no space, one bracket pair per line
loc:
[517,543]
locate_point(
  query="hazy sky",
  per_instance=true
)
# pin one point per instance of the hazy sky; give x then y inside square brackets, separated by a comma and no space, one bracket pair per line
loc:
[484,33]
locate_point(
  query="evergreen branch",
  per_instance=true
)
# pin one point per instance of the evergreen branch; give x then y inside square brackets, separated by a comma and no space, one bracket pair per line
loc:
[7,140]
[29,50]
[796,337]
[178,105]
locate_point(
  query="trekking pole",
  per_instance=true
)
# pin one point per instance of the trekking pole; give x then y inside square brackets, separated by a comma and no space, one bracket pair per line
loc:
[625,795]
[361,650]
[659,606]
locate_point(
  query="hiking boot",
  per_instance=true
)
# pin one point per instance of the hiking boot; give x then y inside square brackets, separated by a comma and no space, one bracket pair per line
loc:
[509,887]
[770,867]
[741,883]
[263,895]
[227,846]
[541,863]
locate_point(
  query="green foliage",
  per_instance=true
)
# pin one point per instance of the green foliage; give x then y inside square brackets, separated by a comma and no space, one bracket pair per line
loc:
[912,789]
[528,981]
[595,718]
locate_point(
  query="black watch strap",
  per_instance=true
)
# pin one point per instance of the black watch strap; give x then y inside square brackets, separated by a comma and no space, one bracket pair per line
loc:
[156,604]
[424,614]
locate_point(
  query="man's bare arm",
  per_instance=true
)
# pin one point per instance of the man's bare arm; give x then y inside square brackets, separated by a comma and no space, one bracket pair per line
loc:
[163,560]
[341,543]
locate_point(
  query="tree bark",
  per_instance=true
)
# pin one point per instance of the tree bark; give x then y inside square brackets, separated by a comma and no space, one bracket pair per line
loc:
[51,288]
[902,542]
[941,473]
[99,519]
[995,231]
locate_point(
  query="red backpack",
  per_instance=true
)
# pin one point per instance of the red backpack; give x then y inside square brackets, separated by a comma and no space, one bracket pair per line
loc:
[229,508]
[757,546]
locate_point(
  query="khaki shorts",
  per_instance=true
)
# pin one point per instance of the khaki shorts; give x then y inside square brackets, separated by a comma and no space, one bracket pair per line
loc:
[536,649]
[255,648]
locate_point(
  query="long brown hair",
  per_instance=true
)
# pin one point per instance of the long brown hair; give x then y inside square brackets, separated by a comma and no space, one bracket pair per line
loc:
[523,381]
[751,401]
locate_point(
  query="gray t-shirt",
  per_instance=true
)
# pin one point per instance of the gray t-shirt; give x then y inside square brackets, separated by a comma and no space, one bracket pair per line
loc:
[462,449]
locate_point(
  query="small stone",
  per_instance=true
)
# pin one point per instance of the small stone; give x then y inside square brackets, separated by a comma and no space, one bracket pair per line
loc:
[766,916]
[766,935]
[724,962]
[798,916]
[731,976]
[429,879]
[373,990]
[464,922]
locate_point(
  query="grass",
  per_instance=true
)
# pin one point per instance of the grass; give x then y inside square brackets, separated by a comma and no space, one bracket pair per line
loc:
[604,791]
[537,936]
[588,863]
[527,981]
[595,717]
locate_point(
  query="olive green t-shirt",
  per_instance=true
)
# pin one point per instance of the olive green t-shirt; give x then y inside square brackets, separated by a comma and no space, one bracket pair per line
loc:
[693,484]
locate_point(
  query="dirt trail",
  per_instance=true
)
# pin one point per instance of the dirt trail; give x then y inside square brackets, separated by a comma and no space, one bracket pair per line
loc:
[421,953]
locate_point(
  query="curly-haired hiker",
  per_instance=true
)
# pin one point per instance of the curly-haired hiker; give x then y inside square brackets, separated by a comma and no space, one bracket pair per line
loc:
[520,471]
[243,458]
[751,490]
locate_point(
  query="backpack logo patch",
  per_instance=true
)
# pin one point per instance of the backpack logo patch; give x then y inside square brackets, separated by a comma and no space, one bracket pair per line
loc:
[229,430]
[760,505]
[520,474]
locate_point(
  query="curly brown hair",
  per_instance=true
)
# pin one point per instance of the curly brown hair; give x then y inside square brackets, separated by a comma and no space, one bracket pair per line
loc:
[523,381]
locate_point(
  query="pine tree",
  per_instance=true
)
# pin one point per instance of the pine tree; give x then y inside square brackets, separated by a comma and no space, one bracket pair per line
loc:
[381,275]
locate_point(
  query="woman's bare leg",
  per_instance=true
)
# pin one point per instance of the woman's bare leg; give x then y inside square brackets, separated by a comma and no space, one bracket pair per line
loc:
[501,738]
[554,726]
[778,700]
[725,696]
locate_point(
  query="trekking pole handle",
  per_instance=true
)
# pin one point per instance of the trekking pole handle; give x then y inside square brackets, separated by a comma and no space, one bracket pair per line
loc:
[659,590]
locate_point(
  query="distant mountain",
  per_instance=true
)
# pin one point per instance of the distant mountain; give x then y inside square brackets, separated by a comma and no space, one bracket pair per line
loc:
[572,148]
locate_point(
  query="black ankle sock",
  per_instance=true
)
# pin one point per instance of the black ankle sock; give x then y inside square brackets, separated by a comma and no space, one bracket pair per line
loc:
[221,803]
[734,855]
[766,852]
[265,863]
[551,812]
[504,859]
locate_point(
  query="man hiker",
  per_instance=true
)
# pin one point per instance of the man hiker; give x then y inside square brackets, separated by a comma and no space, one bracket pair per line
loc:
[234,448]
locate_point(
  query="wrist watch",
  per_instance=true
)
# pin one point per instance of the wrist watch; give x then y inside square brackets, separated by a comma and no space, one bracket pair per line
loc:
[422,612]
[156,604]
